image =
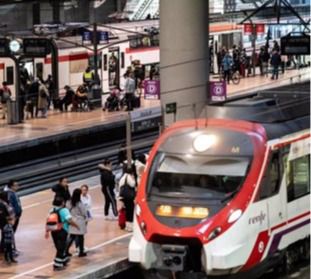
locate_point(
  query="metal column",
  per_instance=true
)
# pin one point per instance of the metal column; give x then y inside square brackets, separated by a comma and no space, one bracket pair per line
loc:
[184,62]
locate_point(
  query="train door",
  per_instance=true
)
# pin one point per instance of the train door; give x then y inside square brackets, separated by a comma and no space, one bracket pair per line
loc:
[113,67]
[270,191]
[276,206]
[10,77]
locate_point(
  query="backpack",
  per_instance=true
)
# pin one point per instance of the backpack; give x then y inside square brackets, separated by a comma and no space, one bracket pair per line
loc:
[53,222]
[127,192]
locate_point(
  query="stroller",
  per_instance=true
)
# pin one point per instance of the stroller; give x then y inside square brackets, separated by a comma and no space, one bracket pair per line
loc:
[112,102]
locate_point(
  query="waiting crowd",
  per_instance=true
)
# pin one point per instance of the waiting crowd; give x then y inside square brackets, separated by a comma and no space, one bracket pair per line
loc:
[243,63]
[70,213]
[37,95]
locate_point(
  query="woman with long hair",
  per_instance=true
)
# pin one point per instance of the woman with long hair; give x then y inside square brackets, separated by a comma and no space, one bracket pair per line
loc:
[79,214]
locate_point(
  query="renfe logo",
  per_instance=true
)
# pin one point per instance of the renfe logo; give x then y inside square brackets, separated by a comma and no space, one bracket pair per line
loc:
[257,219]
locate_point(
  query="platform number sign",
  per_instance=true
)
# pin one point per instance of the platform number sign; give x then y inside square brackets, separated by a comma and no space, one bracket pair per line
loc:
[152,89]
[218,91]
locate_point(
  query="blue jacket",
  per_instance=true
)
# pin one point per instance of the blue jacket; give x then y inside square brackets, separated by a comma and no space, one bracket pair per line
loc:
[227,62]
[15,202]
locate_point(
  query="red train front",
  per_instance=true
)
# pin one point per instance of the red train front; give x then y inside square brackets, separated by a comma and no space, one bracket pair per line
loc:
[197,205]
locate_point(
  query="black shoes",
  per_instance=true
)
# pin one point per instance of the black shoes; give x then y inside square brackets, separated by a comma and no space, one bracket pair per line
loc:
[83,254]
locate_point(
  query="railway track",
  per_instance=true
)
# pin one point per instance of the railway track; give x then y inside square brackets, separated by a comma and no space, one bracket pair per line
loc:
[42,173]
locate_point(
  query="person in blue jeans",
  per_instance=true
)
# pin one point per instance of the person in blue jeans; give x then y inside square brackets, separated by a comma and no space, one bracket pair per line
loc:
[60,236]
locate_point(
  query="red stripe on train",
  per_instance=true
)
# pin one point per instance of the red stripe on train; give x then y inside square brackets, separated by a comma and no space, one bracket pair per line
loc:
[66,58]
[262,241]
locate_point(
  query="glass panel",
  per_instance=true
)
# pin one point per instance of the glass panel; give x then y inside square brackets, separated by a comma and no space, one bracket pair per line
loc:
[198,176]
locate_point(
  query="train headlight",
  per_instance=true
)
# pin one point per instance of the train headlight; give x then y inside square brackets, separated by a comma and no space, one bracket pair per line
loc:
[203,142]
[138,210]
[235,215]
[214,233]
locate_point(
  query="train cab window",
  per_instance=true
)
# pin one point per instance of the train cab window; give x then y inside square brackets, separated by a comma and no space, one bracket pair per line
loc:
[10,75]
[270,184]
[298,177]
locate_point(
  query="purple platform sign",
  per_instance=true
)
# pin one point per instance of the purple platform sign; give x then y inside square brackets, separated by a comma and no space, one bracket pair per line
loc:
[152,89]
[218,91]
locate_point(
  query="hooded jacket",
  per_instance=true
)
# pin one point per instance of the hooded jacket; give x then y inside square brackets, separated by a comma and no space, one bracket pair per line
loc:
[106,176]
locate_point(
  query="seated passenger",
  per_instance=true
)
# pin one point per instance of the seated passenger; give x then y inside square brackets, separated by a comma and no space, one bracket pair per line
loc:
[112,102]
[68,98]
[81,99]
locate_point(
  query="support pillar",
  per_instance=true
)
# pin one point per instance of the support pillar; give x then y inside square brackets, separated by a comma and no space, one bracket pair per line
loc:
[184,66]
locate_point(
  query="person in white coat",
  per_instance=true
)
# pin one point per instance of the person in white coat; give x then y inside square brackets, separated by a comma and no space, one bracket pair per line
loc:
[128,180]
[79,214]
[86,199]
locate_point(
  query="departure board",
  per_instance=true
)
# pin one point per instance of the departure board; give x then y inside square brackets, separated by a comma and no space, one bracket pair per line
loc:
[37,47]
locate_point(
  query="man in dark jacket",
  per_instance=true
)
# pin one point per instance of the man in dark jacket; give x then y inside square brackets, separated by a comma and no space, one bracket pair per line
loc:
[61,189]
[4,213]
[14,201]
[275,63]
[108,184]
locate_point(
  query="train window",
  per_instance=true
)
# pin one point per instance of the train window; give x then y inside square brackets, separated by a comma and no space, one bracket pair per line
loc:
[298,177]
[105,62]
[122,60]
[197,176]
[10,75]
[270,184]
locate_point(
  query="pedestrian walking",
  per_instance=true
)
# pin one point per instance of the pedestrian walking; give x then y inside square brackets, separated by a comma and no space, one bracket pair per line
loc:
[5,97]
[129,89]
[43,99]
[59,231]
[79,214]
[14,201]
[107,180]
[62,189]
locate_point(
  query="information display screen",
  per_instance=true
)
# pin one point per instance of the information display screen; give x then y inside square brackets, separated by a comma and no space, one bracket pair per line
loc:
[295,45]
[36,47]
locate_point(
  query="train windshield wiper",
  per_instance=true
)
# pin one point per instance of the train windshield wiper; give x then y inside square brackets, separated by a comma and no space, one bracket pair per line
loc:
[230,195]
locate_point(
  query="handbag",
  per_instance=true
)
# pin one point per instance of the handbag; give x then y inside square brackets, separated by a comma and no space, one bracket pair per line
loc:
[127,192]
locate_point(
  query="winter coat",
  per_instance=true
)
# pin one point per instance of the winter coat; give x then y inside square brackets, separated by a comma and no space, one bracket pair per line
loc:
[43,96]
[61,192]
[130,179]
[275,59]
[106,176]
[227,62]
[79,215]
[15,202]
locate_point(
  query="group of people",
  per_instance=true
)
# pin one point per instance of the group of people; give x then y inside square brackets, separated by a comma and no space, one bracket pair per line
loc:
[240,61]
[74,211]
[127,186]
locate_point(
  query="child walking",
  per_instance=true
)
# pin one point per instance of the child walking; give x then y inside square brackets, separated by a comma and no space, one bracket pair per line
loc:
[9,241]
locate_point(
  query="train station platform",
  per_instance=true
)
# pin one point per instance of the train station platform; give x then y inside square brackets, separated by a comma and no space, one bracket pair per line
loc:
[106,243]
[60,123]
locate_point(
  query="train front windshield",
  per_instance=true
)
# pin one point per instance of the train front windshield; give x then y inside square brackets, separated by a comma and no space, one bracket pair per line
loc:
[197,177]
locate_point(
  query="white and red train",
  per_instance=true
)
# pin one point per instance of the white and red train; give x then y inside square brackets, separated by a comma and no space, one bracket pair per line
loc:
[124,47]
[230,194]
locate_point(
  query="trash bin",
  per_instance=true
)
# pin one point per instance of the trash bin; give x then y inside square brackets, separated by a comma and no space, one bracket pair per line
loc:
[12,114]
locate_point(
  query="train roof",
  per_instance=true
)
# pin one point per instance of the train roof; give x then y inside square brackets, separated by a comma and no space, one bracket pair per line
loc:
[281,111]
